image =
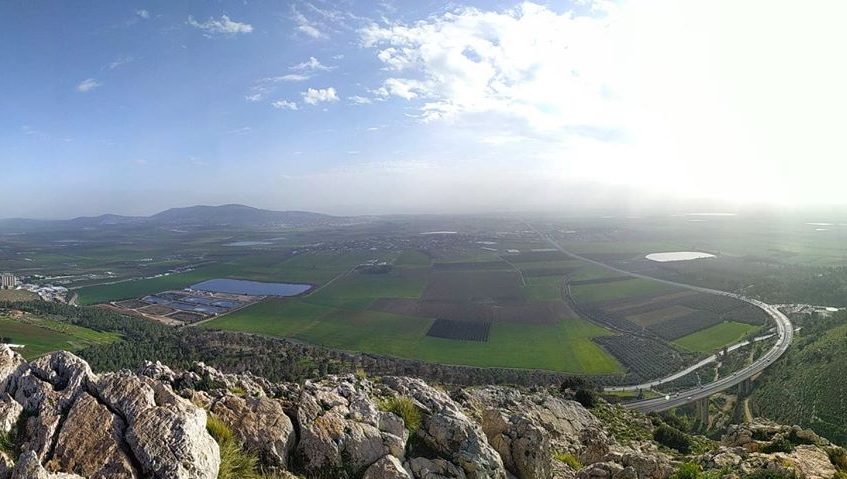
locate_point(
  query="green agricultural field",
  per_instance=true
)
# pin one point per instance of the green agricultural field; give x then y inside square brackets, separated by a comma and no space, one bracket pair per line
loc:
[718,336]
[544,288]
[593,293]
[565,346]
[316,268]
[17,295]
[43,335]
[412,258]
[358,290]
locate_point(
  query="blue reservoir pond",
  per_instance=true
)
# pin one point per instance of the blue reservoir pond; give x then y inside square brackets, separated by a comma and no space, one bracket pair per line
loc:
[251,288]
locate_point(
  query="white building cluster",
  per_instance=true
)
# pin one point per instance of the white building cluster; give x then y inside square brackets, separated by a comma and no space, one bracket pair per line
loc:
[8,281]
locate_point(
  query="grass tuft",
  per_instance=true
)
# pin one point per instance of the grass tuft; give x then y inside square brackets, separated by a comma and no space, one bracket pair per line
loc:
[568,459]
[236,463]
[405,408]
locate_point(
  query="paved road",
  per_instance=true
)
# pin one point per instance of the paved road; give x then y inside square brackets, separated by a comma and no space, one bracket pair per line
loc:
[784,330]
[690,369]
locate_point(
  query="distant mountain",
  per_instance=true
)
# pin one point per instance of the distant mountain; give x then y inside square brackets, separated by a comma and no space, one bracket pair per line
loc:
[105,220]
[236,215]
[203,216]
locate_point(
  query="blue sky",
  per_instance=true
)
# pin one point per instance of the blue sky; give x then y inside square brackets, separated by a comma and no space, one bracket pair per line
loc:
[380,107]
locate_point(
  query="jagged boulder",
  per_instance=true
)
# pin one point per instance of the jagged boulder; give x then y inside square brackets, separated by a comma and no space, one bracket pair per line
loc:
[595,445]
[91,442]
[562,418]
[423,468]
[601,470]
[28,467]
[10,362]
[261,424]
[46,389]
[170,439]
[340,428]
[10,411]
[724,457]
[389,467]
[6,465]
[810,462]
[523,446]
[447,430]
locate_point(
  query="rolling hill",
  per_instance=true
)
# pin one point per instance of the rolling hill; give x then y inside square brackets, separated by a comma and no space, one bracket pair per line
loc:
[197,216]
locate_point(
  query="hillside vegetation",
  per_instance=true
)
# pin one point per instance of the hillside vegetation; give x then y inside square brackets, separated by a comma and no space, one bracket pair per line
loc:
[807,385]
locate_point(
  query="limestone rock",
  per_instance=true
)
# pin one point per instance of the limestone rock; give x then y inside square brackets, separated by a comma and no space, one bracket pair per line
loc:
[6,465]
[562,418]
[339,428]
[449,431]
[523,446]
[601,470]
[261,424]
[28,467]
[91,443]
[652,464]
[10,362]
[810,462]
[595,445]
[125,393]
[10,411]
[170,440]
[423,468]
[389,467]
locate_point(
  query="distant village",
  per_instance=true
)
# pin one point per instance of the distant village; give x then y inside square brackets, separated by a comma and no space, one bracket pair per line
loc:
[46,292]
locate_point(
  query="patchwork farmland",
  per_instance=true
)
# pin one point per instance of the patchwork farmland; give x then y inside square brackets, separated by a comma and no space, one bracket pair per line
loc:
[465,308]
[481,298]
[663,328]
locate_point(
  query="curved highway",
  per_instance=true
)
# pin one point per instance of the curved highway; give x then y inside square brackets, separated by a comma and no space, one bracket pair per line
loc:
[784,330]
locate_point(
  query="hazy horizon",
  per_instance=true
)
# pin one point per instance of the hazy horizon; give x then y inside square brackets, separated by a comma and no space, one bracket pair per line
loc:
[410,107]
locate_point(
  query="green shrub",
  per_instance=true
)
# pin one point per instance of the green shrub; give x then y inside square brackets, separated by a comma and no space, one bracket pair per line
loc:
[672,438]
[687,470]
[7,443]
[838,457]
[586,397]
[779,445]
[568,459]
[574,382]
[405,408]
[770,474]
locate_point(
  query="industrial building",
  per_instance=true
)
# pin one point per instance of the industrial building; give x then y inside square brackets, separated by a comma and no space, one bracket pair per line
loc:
[8,281]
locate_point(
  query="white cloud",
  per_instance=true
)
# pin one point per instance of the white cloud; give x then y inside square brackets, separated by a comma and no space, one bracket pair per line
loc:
[404,88]
[313,96]
[120,61]
[144,14]
[550,69]
[311,65]
[87,85]
[617,92]
[306,26]
[224,26]
[284,105]
[254,97]
[359,100]
[292,77]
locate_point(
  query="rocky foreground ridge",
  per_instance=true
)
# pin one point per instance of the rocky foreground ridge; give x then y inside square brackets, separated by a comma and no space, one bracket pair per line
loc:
[60,420]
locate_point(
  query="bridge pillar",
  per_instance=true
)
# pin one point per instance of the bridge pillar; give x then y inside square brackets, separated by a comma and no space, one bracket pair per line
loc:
[745,387]
[702,410]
